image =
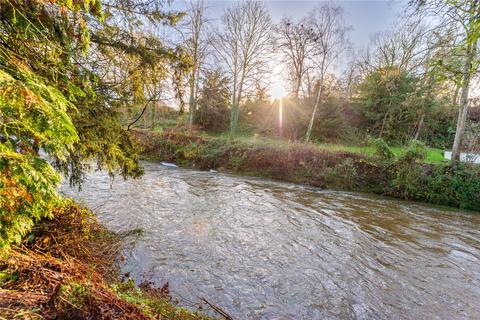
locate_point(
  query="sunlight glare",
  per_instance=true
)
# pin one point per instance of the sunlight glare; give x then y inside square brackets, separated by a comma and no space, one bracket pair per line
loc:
[280,116]
[277,86]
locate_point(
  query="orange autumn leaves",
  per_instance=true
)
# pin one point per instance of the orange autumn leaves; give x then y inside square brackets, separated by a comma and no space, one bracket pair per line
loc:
[12,194]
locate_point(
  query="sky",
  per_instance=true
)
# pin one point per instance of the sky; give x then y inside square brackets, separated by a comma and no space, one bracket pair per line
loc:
[365,17]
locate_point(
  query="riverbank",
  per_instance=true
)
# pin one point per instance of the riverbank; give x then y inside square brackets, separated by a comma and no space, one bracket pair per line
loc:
[66,269]
[407,176]
[433,155]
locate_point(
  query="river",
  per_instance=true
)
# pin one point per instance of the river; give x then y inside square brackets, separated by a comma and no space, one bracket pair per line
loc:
[261,249]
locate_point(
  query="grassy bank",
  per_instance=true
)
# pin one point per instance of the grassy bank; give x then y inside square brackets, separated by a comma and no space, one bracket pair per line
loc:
[406,174]
[65,269]
[433,155]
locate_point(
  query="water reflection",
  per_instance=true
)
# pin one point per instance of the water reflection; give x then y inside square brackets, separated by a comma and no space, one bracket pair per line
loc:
[269,250]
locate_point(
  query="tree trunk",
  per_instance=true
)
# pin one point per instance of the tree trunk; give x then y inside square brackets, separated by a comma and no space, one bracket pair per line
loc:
[463,106]
[154,116]
[233,112]
[234,119]
[297,87]
[317,103]
[236,102]
[419,127]
[383,125]
[192,103]
[455,95]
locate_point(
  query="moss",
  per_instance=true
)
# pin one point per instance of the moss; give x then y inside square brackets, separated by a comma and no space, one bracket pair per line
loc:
[153,302]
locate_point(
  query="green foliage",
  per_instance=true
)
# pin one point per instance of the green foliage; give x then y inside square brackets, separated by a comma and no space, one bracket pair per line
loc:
[34,115]
[103,143]
[382,150]
[261,116]
[76,294]
[343,175]
[296,114]
[454,186]
[439,128]
[27,194]
[45,36]
[258,114]
[416,152]
[329,121]
[471,139]
[388,101]
[6,277]
[213,103]
[36,98]
[457,186]
[51,103]
[442,184]
[407,174]
[153,302]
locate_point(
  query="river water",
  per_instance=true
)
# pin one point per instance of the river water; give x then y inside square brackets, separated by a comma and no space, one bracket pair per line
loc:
[261,249]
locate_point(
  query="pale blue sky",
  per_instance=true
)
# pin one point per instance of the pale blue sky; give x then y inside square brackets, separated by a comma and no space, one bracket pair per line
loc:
[366,17]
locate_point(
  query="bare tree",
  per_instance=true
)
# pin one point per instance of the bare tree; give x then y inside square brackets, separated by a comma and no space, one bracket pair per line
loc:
[243,46]
[295,40]
[405,47]
[196,46]
[330,41]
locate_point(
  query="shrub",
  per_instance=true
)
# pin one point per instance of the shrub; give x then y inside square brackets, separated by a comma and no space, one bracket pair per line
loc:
[416,151]
[454,186]
[382,150]
[213,104]
[457,186]
[386,99]
[408,175]
[342,175]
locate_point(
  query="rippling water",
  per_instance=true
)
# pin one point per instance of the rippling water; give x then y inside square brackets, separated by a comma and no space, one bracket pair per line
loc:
[270,250]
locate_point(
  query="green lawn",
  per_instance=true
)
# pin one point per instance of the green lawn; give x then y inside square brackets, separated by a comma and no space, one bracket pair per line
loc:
[433,155]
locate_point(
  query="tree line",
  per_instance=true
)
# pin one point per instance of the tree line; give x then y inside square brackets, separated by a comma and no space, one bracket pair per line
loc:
[412,82]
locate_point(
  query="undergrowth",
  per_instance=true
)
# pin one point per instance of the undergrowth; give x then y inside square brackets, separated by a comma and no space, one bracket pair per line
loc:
[65,269]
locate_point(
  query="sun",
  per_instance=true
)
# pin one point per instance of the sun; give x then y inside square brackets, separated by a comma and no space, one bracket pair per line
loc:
[277,86]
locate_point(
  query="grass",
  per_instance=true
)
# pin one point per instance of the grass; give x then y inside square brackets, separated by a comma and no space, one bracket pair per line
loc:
[434,155]
[153,302]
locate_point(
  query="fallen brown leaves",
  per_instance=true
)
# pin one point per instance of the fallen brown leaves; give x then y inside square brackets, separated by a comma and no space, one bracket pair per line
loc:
[60,274]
